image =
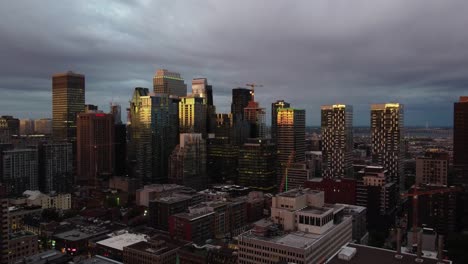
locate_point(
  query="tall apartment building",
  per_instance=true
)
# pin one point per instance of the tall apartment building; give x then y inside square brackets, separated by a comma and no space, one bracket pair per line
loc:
[55,167]
[95,147]
[257,165]
[337,136]
[68,99]
[274,116]
[187,163]
[193,114]
[170,83]
[387,140]
[432,168]
[377,195]
[311,231]
[154,134]
[20,171]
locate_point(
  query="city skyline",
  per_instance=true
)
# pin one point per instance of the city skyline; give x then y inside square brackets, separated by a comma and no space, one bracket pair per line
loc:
[393,52]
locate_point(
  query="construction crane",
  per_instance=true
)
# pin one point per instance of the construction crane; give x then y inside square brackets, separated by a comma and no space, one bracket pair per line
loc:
[415,194]
[252,86]
[284,180]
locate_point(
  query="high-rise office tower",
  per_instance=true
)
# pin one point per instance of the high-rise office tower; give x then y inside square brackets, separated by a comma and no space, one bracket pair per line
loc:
[187,164]
[20,171]
[240,99]
[193,115]
[460,141]
[223,126]
[55,167]
[201,88]
[116,111]
[257,163]
[154,134]
[274,114]
[387,140]
[255,116]
[170,83]
[337,136]
[290,137]
[68,99]
[95,147]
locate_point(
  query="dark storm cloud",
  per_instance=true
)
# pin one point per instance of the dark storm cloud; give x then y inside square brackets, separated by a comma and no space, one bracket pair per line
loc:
[306,52]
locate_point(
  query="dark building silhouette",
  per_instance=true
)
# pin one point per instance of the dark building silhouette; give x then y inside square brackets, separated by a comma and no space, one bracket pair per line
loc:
[68,99]
[55,167]
[222,158]
[240,99]
[460,157]
[9,126]
[95,148]
[120,146]
[257,165]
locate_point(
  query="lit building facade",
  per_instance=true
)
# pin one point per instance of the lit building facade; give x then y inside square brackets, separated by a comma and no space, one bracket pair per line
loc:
[193,115]
[170,83]
[290,137]
[274,114]
[255,116]
[43,126]
[337,136]
[68,99]
[387,140]
[154,134]
[95,147]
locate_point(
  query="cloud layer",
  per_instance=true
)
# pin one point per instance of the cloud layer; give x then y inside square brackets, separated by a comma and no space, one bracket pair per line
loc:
[306,52]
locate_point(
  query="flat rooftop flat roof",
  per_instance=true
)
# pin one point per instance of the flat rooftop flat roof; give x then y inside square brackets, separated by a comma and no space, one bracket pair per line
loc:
[371,255]
[123,240]
[297,239]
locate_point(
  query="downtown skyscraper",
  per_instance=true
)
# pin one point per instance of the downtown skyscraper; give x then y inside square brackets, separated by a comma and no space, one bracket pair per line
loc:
[68,99]
[274,114]
[95,148]
[170,83]
[193,115]
[460,141]
[387,122]
[337,136]
[255,117]
[290,137]
[154,133]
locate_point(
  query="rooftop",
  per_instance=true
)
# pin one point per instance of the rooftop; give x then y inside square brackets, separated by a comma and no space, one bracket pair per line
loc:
[49,256]
[122,240]
[296,239]
[99,260]
[371,255]
[81,233]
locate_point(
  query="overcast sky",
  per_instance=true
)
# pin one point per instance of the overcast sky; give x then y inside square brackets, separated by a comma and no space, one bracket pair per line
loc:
[308,53]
